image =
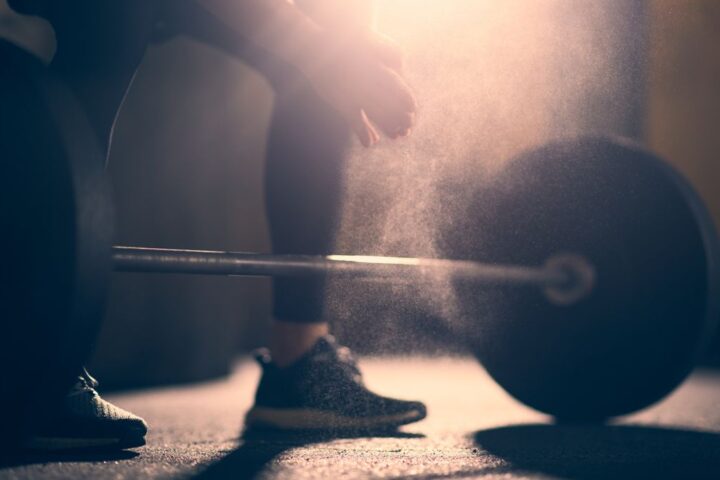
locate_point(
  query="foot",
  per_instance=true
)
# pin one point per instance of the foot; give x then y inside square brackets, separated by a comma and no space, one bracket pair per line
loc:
[324,391]
[84,422]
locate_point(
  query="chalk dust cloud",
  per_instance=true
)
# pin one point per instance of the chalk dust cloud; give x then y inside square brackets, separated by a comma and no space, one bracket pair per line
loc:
[492,79]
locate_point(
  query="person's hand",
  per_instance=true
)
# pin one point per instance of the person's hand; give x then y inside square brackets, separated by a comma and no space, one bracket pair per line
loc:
[363,82]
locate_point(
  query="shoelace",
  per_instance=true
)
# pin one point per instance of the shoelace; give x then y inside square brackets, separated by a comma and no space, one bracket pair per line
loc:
[85,384]
[347,360]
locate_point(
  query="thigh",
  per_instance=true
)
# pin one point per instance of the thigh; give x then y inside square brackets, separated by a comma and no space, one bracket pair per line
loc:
[100,44]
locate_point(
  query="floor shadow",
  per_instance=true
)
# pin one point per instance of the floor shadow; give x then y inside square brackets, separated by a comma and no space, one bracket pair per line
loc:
[258,449]
[601,452]
[17,458]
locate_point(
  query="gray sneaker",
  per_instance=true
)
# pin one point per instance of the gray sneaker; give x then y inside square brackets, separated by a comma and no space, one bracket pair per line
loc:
[324,391]
[84,421]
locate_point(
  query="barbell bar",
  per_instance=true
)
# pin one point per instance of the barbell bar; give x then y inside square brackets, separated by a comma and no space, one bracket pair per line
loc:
[565,278]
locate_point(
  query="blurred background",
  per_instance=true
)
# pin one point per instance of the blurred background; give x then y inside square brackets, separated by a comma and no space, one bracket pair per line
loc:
[492,78]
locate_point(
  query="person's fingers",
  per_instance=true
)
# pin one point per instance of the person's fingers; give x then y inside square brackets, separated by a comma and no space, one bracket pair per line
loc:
[374,135]
[397,92]
[362,127]
[387,51]
[392,123]
[373,132]
[405,123]
[390,104]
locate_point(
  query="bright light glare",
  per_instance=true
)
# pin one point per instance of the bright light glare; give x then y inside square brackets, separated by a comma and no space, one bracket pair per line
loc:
[374,259]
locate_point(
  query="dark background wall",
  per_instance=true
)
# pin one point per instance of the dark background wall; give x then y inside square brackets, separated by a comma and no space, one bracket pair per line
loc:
[682,120]
[187,172]
[493,78]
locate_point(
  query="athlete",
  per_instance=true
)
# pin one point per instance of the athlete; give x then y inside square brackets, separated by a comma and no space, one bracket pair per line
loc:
[334,77]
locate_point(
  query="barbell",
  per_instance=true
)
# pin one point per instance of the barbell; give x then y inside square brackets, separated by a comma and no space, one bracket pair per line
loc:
[587,269]
[564,278]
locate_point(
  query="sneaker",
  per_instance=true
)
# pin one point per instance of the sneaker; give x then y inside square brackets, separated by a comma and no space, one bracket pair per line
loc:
[324,390]
[84,421]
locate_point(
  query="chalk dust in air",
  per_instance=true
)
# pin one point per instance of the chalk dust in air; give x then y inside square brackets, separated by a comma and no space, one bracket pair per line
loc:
[492,79]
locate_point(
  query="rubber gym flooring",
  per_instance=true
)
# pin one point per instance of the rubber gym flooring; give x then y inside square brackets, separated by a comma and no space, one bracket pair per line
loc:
[474,430]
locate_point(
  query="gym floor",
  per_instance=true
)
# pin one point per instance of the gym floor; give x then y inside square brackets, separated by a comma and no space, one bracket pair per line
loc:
[473,430]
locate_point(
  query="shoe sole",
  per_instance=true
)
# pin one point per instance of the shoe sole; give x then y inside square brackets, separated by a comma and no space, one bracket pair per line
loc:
[310,419]
[74,444]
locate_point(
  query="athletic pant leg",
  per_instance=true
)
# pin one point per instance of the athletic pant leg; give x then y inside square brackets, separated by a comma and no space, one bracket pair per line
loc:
[306,150]
[304,190]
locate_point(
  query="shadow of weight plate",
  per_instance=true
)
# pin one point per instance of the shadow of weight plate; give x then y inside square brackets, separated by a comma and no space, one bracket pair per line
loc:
[655,254]
[57,229]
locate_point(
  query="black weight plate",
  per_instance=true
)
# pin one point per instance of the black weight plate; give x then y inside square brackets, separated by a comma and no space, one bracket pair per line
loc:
[57,229]
[638,334]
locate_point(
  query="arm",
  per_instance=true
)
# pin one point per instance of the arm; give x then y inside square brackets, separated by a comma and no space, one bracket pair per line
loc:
[275,26]
[354,21]
[348,16]
[346,70]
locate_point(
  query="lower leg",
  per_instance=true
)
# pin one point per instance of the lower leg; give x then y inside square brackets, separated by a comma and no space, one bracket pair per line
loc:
[310,381]
[306,151]
[291,340]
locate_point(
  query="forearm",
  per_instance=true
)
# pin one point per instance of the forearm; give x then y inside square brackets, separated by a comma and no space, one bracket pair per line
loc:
[276,26]
[345,16]
[352,68]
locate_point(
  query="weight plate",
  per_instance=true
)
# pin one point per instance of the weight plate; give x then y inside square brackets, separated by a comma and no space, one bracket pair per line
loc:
[655,253]
[58,224]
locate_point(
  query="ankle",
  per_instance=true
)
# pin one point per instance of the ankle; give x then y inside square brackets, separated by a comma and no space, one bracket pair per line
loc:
[291,340]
